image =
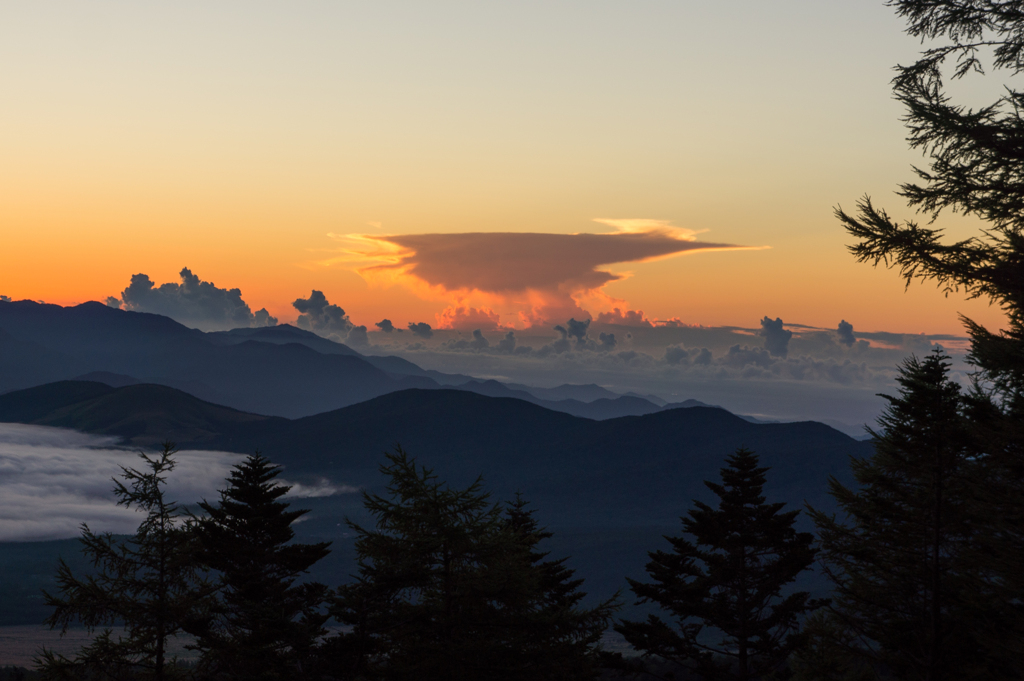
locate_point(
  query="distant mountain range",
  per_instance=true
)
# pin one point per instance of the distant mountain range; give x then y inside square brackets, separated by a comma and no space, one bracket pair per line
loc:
[608,473]
[608,489]
[278,370]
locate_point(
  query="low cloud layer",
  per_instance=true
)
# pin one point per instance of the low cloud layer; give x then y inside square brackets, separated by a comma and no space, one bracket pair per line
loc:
[192,302]
[52,480]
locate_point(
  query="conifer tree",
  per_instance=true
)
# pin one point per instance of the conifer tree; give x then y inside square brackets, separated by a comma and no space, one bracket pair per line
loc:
[900,563]
[451,587]
[263,625]
[145,585]
[724,589]
[975,167]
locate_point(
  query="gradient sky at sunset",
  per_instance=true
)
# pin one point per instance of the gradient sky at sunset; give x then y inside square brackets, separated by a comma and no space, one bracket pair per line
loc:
[285,147]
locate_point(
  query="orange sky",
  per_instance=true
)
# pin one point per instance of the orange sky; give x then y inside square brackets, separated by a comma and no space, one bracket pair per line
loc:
[235,139]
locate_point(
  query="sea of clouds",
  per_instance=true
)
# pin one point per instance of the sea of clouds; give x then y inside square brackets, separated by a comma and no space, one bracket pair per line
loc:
[52,480]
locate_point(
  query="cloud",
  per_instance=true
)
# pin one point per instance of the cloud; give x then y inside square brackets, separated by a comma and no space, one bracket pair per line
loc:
[538,276]
[421,329]
[322,488]
[316,314]
[623,318]
[703,357]
[357,337]
[5,299]
[467,318]
[385,325]
[845,333]
[607,342]
[52,480]
[776,339]
[507,344]
[193,302]
[677,354]
[741,356]
[478,343]
[578,330]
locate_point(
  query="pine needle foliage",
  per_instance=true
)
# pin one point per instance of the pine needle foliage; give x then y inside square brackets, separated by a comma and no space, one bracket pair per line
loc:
[263,624]
[900,560]
[975,167]
[723,583]
[145,589]
[452,586]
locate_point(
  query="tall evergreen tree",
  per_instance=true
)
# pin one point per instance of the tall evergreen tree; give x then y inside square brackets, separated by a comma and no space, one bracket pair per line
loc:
[451,587]
[901,564]
[145,585]
[724,588]
[263,625]
[975,167]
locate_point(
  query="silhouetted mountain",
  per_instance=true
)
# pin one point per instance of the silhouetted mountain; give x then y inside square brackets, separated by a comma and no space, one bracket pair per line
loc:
[109,378]
[608,489]
[576,465]
[48,342]
[568,391]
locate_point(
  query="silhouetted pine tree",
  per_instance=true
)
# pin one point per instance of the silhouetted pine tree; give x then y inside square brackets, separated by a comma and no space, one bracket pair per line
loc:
[724,588]
[451,587]
[899,562]
[145,585]
[975,168]
[264,625]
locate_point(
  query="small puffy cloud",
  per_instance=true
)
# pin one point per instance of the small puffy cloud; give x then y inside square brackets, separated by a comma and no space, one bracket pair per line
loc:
[421,329]
[607,342]
[623,318]
[113,302]
[578,330]
[776,338]
[5,299]
[478,343]
[357,336]
[193,302]
[742,356]
[845,333]
[703,357]
[466,318]
[559,346]
[677,354]
[316,314]
[507,344]
[385,325]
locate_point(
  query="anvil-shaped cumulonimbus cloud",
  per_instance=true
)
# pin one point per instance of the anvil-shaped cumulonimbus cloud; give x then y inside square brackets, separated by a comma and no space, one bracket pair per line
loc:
[515,268]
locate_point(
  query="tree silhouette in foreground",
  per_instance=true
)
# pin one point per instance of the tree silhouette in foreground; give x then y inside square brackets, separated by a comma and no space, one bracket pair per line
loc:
[724,589]
[975,167]
[900,563]
[452,586]
[262,625]
[146,585]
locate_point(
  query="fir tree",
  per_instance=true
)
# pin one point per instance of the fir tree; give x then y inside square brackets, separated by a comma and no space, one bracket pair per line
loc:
[451,587]
[264,625]
[145,585]
[975,167]
[900,564]
[724,588]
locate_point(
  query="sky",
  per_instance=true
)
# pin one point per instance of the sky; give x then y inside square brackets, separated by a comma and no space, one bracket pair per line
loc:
[462,164]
